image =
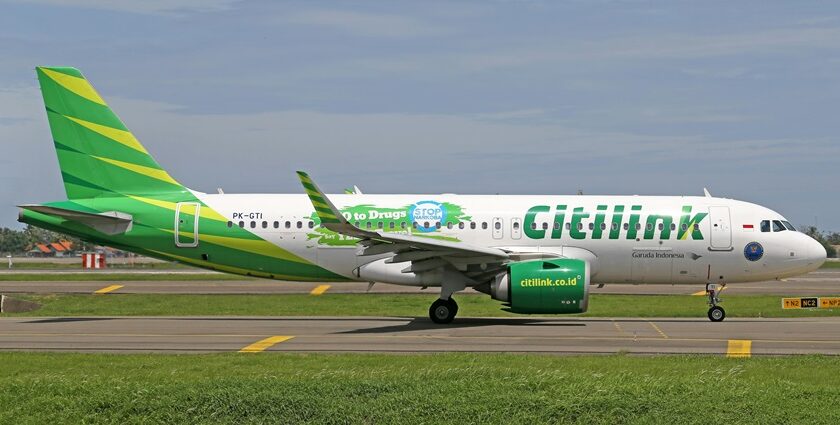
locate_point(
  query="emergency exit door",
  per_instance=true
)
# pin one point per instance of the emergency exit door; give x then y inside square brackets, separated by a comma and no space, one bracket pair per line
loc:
[186,224]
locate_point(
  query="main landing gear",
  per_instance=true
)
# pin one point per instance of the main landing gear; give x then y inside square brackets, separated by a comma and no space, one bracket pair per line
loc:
[443,311]
[716,312]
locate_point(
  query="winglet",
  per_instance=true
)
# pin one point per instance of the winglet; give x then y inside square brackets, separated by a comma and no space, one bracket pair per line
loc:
[326,211]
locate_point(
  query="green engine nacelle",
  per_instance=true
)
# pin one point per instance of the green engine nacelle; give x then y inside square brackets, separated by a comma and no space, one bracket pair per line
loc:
[544,286]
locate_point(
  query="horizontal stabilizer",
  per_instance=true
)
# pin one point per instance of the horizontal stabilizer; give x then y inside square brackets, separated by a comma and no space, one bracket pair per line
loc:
[109,223]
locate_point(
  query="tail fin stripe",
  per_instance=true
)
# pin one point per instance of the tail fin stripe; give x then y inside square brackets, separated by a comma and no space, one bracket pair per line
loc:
[139,169]
[78,86]
[119,136]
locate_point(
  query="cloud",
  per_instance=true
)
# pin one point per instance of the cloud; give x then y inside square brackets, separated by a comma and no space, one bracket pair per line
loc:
[366,24]
[138,6]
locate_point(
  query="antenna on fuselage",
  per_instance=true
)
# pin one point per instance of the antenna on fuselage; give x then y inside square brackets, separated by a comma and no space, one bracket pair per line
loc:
[706,192]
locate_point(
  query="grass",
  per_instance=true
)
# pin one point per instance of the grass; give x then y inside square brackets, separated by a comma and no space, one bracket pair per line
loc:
[831,265]
[46,265]
[407,389]
[106,276]
[402,305]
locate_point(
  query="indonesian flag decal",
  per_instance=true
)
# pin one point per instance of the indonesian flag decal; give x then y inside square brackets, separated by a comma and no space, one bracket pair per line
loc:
[749,227]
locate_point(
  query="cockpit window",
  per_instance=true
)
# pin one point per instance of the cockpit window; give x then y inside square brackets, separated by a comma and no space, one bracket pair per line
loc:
[765,226]
[789,226]
[778,226]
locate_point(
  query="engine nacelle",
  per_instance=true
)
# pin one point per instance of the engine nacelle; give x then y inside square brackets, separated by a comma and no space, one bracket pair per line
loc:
[544,286]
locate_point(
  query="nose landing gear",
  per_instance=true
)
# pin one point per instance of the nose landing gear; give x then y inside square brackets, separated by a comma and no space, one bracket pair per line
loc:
[716,313]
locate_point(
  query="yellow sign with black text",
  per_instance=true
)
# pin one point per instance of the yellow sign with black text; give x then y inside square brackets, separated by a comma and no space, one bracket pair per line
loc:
[810,302]
[829,302]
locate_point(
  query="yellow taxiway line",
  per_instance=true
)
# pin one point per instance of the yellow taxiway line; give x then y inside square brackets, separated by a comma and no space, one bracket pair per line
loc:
[664,335]
[264,344]
[739,348]
[108,289]
[703,292]
[320,289]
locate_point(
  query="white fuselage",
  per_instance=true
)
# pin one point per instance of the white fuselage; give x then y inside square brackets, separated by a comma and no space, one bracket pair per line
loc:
[625,247]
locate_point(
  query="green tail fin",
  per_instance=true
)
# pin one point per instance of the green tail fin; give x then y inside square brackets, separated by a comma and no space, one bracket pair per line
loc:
[97,154]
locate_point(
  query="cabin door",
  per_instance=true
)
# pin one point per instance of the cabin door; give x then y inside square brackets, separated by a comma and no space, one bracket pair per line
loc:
[721,234]
[186,224]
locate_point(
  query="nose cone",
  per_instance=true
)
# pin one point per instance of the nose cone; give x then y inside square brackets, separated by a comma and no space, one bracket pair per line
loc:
[816,254]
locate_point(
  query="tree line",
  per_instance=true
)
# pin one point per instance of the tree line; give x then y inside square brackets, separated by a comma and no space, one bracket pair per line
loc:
[20,241]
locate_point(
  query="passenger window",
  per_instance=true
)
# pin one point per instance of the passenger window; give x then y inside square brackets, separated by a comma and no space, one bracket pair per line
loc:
[673,227]
[626,226]
[789,226]
[276,224]
[661,226]
[484,225]
[437,225]
[367,224]
[649,226]
[311,224]
[265,225]
[614,226]
[449,225]
[765,226]
[472,225]
[242,224]
[684,227]
[533,226]
[580,226]
[391,225]
[230,224]
[556,226]
[425,224]
[414,224]
[497,225]
[300,225]
[253,224]
[568,226]
[591,226]
[603,226]
[638,226]
[461,225]
[402,225]
[545,226]
[515,225]
[380,225]
[778,226]
[288,224]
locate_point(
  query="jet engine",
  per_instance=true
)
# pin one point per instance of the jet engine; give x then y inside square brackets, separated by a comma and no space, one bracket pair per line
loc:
[544,286]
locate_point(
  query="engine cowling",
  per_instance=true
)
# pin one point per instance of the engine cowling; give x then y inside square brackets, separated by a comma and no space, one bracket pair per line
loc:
[544,286]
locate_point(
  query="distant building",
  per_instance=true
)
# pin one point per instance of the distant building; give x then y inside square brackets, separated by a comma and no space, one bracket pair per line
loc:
[52,249]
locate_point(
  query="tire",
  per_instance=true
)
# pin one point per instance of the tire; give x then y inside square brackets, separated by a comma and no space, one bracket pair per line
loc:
[443,311]
[717,314]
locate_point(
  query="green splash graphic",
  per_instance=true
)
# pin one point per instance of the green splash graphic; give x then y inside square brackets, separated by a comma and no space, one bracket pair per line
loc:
[396,220]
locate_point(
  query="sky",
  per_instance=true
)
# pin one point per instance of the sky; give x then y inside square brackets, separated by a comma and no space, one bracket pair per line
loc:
[513,97]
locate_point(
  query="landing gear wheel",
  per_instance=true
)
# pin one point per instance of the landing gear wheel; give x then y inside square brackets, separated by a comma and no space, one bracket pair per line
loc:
[443,311]
[717,314]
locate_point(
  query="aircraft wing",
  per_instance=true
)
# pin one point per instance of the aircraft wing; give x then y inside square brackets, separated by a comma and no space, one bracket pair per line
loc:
[109,223]
[423,252]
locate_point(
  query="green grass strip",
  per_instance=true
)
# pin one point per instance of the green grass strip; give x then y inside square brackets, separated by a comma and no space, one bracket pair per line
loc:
[98,276]
[408,389]
[402,305]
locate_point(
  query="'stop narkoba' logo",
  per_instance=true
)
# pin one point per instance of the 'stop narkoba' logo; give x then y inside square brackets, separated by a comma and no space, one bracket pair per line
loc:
[426,214]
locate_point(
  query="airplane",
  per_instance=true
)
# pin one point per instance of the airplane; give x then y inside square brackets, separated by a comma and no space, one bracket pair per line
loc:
[535,254]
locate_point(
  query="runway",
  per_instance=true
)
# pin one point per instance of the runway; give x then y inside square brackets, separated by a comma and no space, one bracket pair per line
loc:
[734,337]
[821,282]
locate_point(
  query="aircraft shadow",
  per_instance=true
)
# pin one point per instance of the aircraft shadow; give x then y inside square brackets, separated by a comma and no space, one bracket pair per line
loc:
[423,323]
